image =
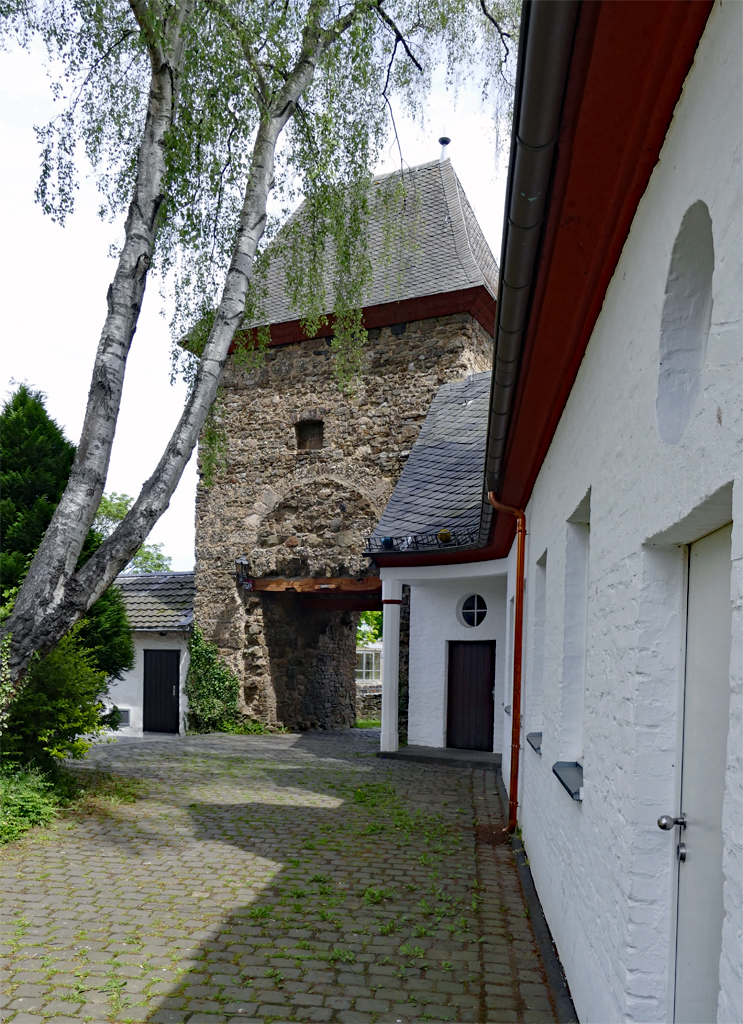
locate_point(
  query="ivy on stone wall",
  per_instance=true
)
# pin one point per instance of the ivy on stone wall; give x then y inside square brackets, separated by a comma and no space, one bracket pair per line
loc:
[211,688]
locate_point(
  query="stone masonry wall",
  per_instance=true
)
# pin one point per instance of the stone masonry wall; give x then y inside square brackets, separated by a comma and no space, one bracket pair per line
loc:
[368,702]
[309,655]
[305,513]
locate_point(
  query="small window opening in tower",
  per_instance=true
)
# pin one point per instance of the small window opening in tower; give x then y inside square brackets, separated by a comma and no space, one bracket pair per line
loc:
[309,435]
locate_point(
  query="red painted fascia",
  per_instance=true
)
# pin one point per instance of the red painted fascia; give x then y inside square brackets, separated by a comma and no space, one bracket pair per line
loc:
[477,301]
[629,63]
[641,53]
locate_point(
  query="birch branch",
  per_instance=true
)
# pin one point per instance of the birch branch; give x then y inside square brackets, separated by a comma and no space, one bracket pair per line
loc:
[46,585]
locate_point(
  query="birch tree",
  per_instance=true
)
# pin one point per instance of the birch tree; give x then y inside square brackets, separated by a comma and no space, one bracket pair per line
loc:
[190,113]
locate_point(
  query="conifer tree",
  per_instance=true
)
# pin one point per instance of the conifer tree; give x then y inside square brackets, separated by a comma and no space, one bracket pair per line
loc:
[36,461]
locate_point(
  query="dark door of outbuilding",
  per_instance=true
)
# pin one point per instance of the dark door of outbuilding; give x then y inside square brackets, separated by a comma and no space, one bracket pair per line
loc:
[161,683]
[471,706]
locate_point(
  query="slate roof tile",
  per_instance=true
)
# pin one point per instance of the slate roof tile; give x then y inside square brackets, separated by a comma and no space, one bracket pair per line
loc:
[435,245]
[441,486]
[158,600]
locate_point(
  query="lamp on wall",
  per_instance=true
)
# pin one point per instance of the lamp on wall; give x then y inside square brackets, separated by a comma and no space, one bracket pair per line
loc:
[242,573]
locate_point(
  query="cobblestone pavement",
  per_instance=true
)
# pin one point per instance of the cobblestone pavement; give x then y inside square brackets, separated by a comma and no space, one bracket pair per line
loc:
[272,878]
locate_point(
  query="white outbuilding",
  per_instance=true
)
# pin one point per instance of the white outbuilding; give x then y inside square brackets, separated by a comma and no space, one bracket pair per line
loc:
[610,660]
[151,696]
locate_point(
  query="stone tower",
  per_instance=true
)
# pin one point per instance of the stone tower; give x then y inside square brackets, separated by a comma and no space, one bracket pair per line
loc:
[310,469]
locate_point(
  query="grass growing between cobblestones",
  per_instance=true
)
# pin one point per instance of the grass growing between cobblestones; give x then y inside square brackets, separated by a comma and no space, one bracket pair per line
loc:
[272,879]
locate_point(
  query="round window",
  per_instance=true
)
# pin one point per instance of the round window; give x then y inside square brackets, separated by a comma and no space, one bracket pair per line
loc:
[474,610]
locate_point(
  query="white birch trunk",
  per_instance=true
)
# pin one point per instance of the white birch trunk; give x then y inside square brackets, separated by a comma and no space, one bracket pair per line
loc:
[54,596]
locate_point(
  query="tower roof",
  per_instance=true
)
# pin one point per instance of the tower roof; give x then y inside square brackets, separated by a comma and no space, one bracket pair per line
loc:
[433,246]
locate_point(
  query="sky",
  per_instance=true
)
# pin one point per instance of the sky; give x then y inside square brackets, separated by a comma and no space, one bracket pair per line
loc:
[53,282]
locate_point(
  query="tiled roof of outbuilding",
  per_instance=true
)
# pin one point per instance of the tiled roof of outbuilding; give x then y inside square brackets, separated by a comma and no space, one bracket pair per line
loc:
[441,486]
[158,600]
[435,245]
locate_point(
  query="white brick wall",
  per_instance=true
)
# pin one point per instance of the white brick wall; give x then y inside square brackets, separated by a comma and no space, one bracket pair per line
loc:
[435,593]
[129,691]
[603,870]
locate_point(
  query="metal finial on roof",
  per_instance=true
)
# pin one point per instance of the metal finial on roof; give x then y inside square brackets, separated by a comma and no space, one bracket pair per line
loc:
[443,142]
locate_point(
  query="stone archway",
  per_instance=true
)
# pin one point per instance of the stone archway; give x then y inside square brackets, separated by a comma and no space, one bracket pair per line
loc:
[299,661]
[316,528]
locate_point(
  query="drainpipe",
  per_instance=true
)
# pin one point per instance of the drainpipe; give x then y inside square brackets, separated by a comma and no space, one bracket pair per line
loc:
[545,47]
[391,601]
[518,643]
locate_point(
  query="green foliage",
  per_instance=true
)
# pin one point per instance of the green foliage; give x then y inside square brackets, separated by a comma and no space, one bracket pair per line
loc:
[213,692]
[345,956]
[106,635]
[27,798]
[369,629]
[374,795]
[367,723]
[36,464]
[111,511]
[244,726]
[212,445]
[391,815]
[6,682]
[59,707]
[237,59]
[407,950]
[150,558]
[36,459]
[30,796]
[60,701]
[211,688]
[374,895]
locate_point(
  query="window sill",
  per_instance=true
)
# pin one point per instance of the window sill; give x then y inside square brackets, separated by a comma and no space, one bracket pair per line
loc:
[570,774]
[534,739]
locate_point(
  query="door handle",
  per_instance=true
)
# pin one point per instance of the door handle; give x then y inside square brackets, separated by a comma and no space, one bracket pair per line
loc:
[667,821]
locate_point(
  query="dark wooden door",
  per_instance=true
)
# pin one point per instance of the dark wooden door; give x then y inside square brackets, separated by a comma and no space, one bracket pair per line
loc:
[161,684]
[471,707]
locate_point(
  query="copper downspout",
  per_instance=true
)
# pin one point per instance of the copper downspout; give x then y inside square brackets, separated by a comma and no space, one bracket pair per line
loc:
[518,636]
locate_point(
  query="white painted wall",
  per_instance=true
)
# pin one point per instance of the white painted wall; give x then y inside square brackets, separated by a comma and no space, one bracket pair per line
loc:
[433,623]
[604,871]
[128,692]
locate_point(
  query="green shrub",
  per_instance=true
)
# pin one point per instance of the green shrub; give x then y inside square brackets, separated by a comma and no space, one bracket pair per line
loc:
[27,797]
[59,706]
[244,726]
[30,796]
[60,700]
[369,629]
[211,688]
[36,459]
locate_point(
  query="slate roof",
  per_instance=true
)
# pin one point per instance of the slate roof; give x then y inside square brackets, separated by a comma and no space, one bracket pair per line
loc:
[441,486]
[158,600]
[435,245]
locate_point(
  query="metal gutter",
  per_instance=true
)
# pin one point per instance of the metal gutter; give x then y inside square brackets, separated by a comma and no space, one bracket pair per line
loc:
[547,33]
[546,38]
